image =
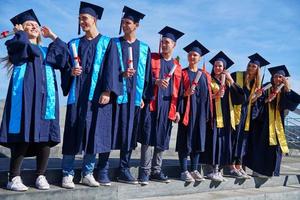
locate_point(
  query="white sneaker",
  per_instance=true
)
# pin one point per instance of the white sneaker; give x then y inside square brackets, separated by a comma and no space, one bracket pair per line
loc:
[41,183]
[16,184]
[197,176]
[245,175]
[67,182]
[215,177]
[222,177]
[187,177]
[89,180]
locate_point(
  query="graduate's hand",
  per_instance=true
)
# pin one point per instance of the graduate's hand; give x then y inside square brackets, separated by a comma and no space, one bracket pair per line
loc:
[220,93]
[162,83]
[286,83]
[142,104]
[18,27]
[177,117]
[129,73]
[189,92]
[104,98]
[258,92]
[47,33]
[228,77]
[76,71]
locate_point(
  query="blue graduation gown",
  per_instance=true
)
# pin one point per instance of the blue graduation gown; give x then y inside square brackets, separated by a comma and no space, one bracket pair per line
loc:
[34,126]
[240,136]
[88,124]
[191,138]
[127,115]
[261,157]
[219,142]
[155,127]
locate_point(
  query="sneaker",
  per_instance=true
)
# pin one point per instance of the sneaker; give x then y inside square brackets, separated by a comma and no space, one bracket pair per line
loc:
[197,176]
[16,184]
[221,177]
[187,177]
[103,179]
[160,177]
[245,175]
[143,178]
[235,174]
[126,177]
[215,177]
[89,180]
[41,183]
[67,182]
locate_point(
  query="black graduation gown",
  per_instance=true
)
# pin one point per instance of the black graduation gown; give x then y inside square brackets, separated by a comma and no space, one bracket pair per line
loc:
[218,140]
[155,127]
[34,127]
[127,115]
[261,157]
[191,138]
[88,124]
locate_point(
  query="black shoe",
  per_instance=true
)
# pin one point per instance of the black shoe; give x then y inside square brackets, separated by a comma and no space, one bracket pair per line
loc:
[160,177]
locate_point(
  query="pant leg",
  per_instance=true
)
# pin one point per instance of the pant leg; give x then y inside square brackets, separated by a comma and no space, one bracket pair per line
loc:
[103,163]
[125,157]
[146,157]
[157,160]
[183,161]
[194,161]
[18,153]
[68,165]
[88,164]
[42,158]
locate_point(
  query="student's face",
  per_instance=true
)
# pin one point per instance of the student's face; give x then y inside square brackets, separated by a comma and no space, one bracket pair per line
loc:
[252,69]
[32,28]
[278,79]
[218,67]
[167,45]
[86,22]
[128,26]
[193,58]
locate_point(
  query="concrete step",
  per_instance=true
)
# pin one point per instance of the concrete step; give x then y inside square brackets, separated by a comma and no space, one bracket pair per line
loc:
[230,189]
[291,192]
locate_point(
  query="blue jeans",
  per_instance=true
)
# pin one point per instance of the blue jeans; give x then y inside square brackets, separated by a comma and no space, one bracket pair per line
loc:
[88,164]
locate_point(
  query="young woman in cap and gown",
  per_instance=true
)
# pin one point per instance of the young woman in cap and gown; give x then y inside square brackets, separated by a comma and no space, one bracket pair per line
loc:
[225,93]
[194,113]
[267,142]
[250,80]
[30,124]
[92,83]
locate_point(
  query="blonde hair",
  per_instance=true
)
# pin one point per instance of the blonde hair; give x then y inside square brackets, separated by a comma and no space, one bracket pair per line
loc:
[257,79]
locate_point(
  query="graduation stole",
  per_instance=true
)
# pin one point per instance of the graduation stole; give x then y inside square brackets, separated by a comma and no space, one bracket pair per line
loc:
[187,85]
[17,94]
[218,107]
[99,55]
[276,129]
[155,61]
[238,108]
[140,79]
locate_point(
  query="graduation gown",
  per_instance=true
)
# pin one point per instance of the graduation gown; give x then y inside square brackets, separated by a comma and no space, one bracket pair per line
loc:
[191,137]
[155,126]
[34,125]
[262,157]
[127,115]
[88,124]
[240,135]
[219,140]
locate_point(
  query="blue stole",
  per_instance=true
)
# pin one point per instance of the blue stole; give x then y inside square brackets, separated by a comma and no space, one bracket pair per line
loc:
[140,74]
[100,52]
[17,95]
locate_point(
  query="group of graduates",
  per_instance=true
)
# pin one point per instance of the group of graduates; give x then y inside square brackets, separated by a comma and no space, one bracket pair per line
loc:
[119,93]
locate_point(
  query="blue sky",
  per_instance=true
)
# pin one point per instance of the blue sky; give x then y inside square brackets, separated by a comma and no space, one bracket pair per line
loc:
[239,28]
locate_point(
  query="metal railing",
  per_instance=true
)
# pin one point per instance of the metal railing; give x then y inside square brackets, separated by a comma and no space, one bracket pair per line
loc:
[292,131]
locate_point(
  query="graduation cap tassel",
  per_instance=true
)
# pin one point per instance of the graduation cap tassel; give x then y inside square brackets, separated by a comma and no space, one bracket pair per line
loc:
[262,79]
[204,66]
[159,46]
[78,28]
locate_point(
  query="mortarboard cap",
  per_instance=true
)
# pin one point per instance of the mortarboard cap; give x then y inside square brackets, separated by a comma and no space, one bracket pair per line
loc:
[129,13]
[171,33]
[221,56]
[258,60]
[25,16]
[281,69]
[197,47]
